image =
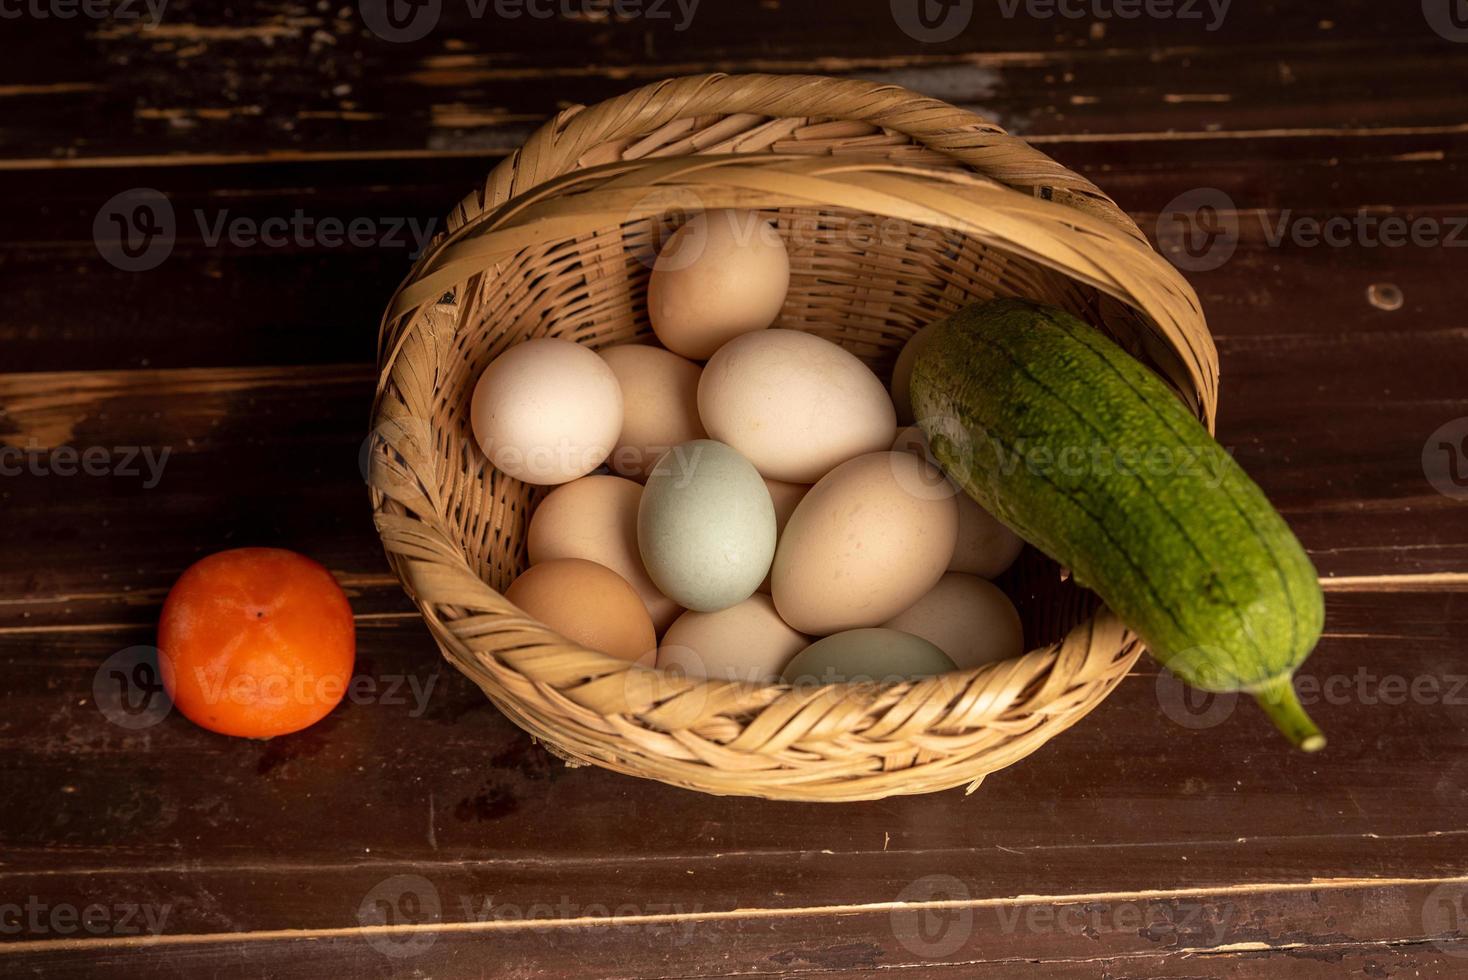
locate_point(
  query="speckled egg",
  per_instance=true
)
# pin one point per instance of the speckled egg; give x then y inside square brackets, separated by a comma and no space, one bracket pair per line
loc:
[863,545]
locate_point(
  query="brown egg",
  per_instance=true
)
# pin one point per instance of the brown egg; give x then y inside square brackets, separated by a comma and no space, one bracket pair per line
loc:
[588,604]
[595,518]
[723,274]
[659,405]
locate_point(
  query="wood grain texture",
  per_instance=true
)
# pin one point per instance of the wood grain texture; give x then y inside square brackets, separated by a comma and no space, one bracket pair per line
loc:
[299,80]
[1214,834]
[233,300]
[251,366]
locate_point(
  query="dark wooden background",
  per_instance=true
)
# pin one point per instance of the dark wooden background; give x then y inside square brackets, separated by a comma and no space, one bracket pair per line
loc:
[1132,846]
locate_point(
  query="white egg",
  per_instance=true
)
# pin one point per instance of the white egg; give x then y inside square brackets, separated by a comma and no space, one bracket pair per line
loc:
[966,617]
[746,642]
[722,274]
[547,411]
[795,405]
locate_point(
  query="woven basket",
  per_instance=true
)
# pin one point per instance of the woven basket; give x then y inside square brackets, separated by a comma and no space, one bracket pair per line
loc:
[897,209]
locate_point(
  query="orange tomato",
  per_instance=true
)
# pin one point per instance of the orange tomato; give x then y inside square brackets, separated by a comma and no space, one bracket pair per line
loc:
[256,642]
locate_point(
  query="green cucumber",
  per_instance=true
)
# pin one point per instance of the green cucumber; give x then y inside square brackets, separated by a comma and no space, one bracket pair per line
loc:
[1086,454]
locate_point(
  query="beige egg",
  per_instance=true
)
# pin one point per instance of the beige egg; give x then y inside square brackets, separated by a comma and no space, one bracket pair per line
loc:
[902,373]
[595,518]
[747,642]
[784,496]
[547,411]
[795,405]
[722,274]
[588,604]
[861,547]
[659,405]
[966,617]
[985,547]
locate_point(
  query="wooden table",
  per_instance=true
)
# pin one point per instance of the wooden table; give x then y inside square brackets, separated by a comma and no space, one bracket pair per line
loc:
[1156,839]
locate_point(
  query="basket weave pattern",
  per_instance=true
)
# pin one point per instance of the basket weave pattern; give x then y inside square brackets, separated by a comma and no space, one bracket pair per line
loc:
[897,210]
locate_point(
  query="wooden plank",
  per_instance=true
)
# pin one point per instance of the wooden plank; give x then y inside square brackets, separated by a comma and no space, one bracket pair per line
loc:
[233,300]
[418,774]
[470,957]
[293,79]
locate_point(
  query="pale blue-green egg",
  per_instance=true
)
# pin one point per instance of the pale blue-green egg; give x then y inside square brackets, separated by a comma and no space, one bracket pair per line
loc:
[706,526]
[875,654]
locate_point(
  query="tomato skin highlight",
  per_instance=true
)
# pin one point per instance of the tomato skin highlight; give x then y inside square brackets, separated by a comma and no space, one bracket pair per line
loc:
[256,642]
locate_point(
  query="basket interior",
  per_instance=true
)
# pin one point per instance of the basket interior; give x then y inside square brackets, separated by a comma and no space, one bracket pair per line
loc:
[861,281]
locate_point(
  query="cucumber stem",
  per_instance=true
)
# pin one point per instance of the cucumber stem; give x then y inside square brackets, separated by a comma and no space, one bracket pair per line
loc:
[1279,702]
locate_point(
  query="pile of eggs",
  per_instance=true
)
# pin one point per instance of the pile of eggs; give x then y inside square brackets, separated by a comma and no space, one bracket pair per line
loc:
[758,517]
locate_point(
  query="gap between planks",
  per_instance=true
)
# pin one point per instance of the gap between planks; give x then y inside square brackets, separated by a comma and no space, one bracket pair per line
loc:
[519,925]
[494,154]
[521,862]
